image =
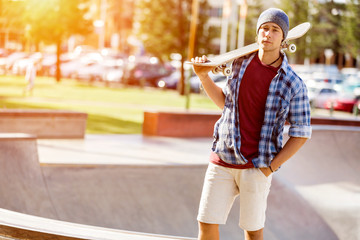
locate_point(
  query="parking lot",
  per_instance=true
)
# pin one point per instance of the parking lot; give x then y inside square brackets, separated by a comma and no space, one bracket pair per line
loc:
[329,88]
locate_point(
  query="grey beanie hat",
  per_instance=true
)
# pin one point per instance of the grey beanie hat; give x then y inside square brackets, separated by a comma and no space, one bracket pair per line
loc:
[274,15]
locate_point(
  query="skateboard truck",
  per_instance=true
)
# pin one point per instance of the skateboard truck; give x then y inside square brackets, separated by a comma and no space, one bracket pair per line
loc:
[226,71]
[290,47]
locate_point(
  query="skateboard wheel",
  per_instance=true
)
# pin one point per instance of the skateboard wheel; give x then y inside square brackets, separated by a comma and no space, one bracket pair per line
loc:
[227,71]
[215,70]
[292,48]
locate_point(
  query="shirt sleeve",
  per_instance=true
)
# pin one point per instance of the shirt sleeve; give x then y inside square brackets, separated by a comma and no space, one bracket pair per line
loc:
[299,115]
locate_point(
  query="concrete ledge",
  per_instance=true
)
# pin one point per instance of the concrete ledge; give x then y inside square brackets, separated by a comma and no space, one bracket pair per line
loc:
[179,124]
[335,121]
[190,124]
[44,123]
[15,225]
[16,136]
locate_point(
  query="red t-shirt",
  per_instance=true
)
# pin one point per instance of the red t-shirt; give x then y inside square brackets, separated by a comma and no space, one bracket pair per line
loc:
[253,93]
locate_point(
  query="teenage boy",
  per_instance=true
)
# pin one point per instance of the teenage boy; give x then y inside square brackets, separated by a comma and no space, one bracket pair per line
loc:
[261,94]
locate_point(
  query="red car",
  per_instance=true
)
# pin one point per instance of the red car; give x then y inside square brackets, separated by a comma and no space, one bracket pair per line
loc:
[344,103]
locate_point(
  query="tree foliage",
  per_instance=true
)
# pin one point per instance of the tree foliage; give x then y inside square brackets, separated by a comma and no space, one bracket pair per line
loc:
[53,21]
[10,13]
[255,8]
[350,28]
[11,17]
[298,13]
[335,26]
[163,26]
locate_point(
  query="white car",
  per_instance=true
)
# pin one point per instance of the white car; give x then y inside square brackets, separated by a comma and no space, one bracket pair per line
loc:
[321,97]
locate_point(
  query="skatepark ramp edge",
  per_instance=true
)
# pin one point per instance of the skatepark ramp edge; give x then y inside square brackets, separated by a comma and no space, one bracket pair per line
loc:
[19,225]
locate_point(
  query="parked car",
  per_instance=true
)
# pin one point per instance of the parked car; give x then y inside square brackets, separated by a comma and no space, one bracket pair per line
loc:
[101,71]
[219,80]
[323,68]
[348,96]
[349,72]
[92,71]
[329,79]
[114,74]
[114,70]
[145,73]
[171,81]
[321,97]
[352,84]
[344,102]
[72,62]
[12,58]
[68,68]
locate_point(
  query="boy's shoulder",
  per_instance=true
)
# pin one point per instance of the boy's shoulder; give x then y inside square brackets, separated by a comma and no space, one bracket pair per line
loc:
[240,60]
[292,76]
[237,63]
[292,82]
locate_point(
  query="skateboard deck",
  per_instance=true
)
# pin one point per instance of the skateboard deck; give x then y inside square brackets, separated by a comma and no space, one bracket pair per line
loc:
[219,62]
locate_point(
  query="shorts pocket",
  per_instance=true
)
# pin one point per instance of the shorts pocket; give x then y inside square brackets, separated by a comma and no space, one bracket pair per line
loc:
[255,181]
[262,174]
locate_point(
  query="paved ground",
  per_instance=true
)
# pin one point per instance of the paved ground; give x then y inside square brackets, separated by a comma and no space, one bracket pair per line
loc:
[125,150]
[153,184]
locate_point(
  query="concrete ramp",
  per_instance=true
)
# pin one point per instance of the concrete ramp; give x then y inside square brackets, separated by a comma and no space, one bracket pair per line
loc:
[163,199]
[22,186]
[326,173]
[95,195]
[14,225]
[152,199]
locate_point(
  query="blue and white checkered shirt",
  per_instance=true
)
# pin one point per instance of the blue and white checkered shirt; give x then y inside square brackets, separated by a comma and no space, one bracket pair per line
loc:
[287,100]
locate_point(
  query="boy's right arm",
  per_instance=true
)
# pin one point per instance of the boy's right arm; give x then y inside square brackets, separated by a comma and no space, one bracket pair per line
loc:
[212,90]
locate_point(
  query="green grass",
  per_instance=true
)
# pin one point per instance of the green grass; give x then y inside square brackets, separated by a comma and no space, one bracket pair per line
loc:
[110,109]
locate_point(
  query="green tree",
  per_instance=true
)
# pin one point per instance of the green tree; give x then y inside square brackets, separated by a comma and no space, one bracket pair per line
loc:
[163,27]
[11,20]
[162,24]
[326,27]
[53,21]
[350,29]
[298,12]
[255,8]
[335,25]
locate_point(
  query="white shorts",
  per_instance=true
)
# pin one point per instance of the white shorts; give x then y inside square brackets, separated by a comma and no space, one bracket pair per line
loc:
[222,185]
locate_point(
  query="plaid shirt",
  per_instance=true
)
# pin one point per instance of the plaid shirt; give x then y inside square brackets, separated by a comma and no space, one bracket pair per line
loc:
[287,100]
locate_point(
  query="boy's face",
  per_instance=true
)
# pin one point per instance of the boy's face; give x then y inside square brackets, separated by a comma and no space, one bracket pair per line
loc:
[270,36]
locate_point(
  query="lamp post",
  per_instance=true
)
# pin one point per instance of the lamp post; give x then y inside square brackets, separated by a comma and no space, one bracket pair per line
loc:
[99,29]
[224,26]
[194,18]
[243,14]
[100,24]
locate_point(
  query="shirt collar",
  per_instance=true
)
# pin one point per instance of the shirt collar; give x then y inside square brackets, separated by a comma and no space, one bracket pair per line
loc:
[284,65]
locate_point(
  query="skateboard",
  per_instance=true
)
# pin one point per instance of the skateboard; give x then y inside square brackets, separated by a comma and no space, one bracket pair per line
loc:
[219,62]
